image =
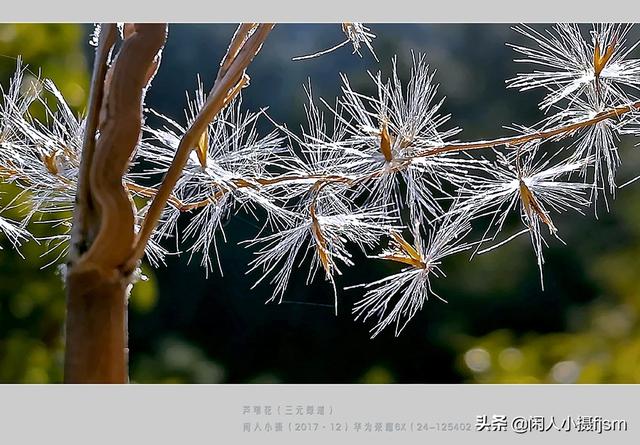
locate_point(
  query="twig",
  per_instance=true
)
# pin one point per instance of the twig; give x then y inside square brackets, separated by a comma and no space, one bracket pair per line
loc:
[537,136]
[402,163]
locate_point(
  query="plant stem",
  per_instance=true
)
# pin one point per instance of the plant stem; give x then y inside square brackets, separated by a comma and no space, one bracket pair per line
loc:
[96,328]
[103,228]
[561,132]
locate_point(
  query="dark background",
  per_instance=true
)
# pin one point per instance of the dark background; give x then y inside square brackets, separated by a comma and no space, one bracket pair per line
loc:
[498,326]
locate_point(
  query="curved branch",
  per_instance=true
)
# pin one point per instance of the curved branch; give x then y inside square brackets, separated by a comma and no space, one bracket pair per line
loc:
[233,73]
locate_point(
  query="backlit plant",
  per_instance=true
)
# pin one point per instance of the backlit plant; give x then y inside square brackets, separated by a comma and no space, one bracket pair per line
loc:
[384,174]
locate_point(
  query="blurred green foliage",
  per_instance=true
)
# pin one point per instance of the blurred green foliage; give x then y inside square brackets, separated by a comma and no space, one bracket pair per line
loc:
[54,50]
[32,299]
[176,361]
[601,343]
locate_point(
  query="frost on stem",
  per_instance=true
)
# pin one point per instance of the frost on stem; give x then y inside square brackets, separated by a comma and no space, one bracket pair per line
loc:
[583,78]
[407,118]
[569,63]
[364,169]
[533,183]
[235,158]
[395,299]
[321,236]
[42,159]
[324,218]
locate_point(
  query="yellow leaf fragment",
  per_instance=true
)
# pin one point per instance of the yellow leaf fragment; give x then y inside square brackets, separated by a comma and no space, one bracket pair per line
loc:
[203,142]
[385,142]
[321,242]
[533,208]
[49,160]
[600,60]
[404,253]
[203,147]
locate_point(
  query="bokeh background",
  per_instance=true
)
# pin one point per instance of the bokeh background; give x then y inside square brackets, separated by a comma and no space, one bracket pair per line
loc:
[497,327]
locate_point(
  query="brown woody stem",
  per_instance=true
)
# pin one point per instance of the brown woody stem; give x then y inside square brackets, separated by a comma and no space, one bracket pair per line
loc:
[96,328]
[103,230]
[530,137]
[563,131]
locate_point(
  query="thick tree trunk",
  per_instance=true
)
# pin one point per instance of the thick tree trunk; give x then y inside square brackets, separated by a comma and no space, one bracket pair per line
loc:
[103,234]
[96,328]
